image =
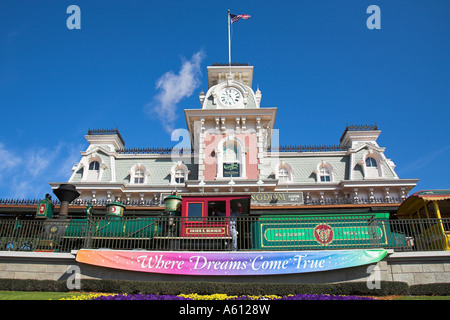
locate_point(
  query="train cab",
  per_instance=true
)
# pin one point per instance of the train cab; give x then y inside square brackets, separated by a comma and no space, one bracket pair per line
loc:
[211,216]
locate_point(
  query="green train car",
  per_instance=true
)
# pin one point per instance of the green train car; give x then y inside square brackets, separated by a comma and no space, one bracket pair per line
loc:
[191,223]
[99,232]
[325,231]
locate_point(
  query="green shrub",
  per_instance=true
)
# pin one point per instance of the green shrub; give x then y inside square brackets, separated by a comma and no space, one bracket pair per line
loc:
[178,287]
[431,289]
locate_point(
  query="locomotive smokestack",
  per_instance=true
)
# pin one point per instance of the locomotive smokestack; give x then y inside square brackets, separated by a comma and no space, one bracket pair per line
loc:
[66,193]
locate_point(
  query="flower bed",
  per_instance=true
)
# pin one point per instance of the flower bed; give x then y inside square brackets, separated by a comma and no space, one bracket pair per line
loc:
[195,296]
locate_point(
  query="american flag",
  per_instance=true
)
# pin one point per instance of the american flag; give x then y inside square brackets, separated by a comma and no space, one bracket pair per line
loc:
[235,17]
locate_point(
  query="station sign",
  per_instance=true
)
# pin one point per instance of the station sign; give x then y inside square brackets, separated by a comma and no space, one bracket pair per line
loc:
[277,198]
[268,198]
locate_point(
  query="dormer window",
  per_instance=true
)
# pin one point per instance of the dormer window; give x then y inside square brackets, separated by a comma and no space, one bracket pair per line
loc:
[324,172]
[94,166]
[93,171]
[283,173]
[180,176]
[179,173]
[371,163]
[139,176]
[325,175]
[372,168]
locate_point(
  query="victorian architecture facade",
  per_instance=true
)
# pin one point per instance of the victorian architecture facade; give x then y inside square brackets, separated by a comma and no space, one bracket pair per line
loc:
[234,147]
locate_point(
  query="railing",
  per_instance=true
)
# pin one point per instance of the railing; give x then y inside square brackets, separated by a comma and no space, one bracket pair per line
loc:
[156,202]
[242,233]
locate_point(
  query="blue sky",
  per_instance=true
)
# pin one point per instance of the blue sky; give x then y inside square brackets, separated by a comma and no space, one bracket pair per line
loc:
[316,61]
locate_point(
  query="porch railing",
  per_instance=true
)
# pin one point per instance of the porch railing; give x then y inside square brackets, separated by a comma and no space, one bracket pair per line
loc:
[242,233]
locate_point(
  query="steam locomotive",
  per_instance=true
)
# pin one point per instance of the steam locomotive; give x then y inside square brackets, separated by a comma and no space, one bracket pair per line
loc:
[196,222]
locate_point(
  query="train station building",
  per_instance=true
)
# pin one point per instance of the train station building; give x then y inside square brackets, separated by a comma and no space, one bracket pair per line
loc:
[235,148]
[305,202]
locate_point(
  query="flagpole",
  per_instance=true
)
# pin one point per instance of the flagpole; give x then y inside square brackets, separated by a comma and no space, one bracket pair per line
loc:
[229,42]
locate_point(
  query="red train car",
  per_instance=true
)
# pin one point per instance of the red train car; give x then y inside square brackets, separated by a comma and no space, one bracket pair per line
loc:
[211,216]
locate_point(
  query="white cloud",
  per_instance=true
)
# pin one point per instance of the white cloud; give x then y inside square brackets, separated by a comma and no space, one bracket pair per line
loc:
[7,159]
[28,175]
[174,87]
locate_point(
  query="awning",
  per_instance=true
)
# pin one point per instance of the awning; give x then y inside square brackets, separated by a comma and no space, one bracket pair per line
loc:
[418,200]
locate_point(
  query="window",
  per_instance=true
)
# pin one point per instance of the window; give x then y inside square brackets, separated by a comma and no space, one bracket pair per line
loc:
[325,175]
[371,163]
[178,173]
[283,175]
[283,172]
[179,176]
[230,153]
[194,211]
[217,209]
[94,171]
[139,176]
[372,169]
[231,165]
[324,171]
[94,165]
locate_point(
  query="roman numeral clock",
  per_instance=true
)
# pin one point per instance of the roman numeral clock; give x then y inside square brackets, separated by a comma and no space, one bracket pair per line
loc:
[230,97]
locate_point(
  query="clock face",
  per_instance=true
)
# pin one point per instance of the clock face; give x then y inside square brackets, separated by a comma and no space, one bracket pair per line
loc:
[230,97]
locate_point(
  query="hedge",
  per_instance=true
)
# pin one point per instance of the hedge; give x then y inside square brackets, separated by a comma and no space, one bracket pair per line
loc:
[178,287]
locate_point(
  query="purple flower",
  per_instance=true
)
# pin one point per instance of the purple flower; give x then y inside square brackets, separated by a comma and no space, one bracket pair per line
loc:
[141,297]
[322,297]
[242,297]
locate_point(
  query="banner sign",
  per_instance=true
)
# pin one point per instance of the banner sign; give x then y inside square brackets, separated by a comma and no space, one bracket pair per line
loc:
[230,263]
[271,198]
[231,170]
[262,198]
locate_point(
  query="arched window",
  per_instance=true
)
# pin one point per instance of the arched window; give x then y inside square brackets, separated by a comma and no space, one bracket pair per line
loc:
[178,173]
[139,176]
[283,172]
[372,169]
[94,171]
[283,175]
[230,153]
[231,163]
[325,175]
[179,176]
[324,172]
[94,165]
[371,163]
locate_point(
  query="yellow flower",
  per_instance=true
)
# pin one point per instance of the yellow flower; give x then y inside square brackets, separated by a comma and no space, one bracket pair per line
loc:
[219,296]
[89,296]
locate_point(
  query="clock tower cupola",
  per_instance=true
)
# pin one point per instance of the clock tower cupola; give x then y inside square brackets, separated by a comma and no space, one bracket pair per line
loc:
[230,87]
[230,132]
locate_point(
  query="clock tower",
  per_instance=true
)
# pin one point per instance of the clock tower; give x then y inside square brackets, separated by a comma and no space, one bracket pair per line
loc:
[230,133]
